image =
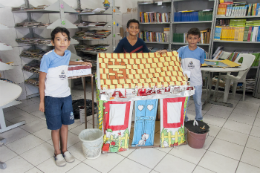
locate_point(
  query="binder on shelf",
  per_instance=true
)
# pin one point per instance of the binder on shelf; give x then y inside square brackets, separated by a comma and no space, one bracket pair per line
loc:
[186,16]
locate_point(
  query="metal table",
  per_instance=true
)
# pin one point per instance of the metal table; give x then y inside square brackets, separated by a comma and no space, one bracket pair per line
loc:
[92,90]
[212,70]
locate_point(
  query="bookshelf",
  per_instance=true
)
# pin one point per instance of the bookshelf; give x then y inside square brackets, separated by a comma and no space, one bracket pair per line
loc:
[58,7]
[184,26]
[176,26]
[157,7]
[240,46]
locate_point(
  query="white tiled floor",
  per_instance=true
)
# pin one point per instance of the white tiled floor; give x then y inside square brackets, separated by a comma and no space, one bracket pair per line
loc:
[233,144]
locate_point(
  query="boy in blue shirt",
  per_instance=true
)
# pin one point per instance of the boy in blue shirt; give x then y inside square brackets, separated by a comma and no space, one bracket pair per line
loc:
[192,57]
[55,96]
[131,43]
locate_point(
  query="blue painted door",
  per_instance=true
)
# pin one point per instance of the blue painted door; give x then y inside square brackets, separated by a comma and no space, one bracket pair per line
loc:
[145,115]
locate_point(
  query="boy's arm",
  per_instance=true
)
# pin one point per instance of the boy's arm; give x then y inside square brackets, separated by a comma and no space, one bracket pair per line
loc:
[42,78]
[80,63]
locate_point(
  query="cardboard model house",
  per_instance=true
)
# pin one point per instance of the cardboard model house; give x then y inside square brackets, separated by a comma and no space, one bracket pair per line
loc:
[141,79]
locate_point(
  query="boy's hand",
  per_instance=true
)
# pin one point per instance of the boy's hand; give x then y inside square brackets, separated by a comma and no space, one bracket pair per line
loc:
[161,51]
[41,107]
[87,64]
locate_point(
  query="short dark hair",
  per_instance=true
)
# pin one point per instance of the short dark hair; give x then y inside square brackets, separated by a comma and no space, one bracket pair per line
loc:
[59,29]
[194,31]
[132,21]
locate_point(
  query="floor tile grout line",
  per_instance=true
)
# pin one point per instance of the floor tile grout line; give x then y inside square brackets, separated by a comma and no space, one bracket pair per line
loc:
[247,139]
[158,163]
[203,168]
[26,150]
[250,164]
[216,137]
[183,159]
[89,165]
[117,164]
[37,164]
[141,163]
[74,166]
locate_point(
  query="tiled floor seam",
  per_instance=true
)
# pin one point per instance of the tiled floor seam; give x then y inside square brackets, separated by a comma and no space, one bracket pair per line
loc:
[215,138]
[26,151]
[204,168]
[38,163]
[89,165]
[247,139]
[183,159]
[159,162]
[249,164]
[74,166]
[145,165]
[117,164]
[25,136]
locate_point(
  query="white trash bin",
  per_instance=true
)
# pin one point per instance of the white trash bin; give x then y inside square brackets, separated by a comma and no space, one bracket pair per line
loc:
[92,140]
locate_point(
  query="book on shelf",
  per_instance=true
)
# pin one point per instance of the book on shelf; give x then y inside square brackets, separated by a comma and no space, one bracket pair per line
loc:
[222,8]
[186,16]
[204,35]
[222,1]
[152,17]
[179,37]
[166,31]
[218,31]
[237,9]
[237,30]
[150,36]
[220,54]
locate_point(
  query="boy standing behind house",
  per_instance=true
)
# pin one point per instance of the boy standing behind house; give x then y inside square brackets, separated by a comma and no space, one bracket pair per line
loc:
[131,43]
[192,57]
[55,96]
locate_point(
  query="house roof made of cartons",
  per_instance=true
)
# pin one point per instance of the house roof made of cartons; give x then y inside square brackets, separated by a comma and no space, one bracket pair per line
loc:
[144,70]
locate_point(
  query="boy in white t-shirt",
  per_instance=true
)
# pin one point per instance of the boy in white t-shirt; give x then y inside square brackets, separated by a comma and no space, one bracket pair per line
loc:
[192,57]
[55,96]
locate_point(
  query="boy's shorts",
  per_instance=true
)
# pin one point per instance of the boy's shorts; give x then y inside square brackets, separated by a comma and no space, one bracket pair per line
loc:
[58,111]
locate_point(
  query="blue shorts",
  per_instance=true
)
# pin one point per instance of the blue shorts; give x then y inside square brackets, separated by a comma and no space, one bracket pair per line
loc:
[58,111]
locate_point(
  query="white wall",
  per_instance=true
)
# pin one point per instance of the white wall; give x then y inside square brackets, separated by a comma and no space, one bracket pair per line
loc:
[8,36]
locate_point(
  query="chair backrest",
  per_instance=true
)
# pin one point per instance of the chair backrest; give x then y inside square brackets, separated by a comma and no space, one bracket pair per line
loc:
[248,60]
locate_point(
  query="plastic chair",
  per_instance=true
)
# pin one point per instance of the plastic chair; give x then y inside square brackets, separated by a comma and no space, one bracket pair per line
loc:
[248,60]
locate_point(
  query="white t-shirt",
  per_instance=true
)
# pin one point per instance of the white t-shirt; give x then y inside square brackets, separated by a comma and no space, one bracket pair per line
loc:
[191,61]
[56,67]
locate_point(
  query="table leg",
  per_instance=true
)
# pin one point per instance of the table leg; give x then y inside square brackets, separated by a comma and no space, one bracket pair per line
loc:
[208,90]
[224,103]
[226,92]
[2,165]
[85,105]
[216,88]
[92,88]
